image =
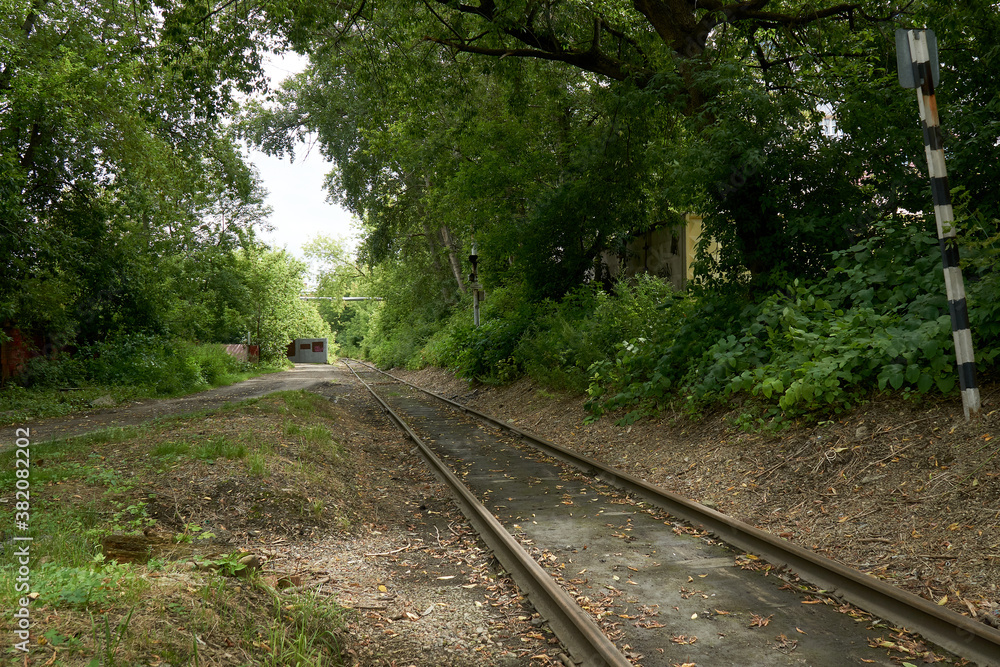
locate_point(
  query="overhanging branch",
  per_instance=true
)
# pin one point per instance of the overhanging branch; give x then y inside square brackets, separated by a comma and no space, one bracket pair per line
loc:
[590,60]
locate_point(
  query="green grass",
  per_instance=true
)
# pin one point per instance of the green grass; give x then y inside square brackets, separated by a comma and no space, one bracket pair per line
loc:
[55,452]
[257,464]
[301,403]
[171,449]
[317,435]
[220,447]
[312,435]
[110,639]
[316,508]
[65,529]
[65,548]
[305,633]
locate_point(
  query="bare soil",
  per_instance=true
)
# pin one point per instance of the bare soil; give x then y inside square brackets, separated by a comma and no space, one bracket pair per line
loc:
[905,490]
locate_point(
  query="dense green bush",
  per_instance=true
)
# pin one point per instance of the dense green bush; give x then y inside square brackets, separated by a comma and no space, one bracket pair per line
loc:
[555,342]
[878,320]
[215,365]
[136,359]
[46,372]
[488,353]
[586,327]
[166,367]
[981,253]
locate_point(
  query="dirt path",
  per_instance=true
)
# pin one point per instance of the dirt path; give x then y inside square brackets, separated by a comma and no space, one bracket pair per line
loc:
[303,376]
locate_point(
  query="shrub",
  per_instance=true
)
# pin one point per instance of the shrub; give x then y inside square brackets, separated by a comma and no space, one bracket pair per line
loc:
[164,366]
[586,327]
[555,342]
[878,320]
[44,372]
[216,366]
[489,353]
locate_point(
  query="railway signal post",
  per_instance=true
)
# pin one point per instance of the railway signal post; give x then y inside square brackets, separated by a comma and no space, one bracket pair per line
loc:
[917,62]
[477,289]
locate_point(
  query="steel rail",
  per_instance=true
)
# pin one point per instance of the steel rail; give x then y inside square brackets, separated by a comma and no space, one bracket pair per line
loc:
[585,641]
[959,634]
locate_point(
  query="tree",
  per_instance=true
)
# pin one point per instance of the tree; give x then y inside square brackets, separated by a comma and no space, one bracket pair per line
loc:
[275,315]
[722,102]
[453,151]
[114,154]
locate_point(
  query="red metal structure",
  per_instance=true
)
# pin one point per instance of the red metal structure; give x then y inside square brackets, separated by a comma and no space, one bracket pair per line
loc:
[17,350]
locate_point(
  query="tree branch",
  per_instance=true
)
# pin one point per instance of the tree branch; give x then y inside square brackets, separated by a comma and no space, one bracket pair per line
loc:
[486,9]
[351,20]
[622,37]
[683,25]
[596,62]
[441,20]
[215,11]
[773,19]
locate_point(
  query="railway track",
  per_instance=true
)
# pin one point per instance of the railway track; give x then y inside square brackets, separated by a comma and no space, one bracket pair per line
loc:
[626,573]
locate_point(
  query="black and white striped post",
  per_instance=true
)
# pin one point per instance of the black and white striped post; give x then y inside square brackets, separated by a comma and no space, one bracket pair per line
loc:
[916,57]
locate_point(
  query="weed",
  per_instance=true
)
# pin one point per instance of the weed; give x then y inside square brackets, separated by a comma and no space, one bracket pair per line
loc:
[99,582]
[229,565]
[194,650]
[305,632]
[110,435]
[318,435]
[73,586]
[192,532]
[171,449]
[301,403]
[747,421]
[220,447]
[257,464]
[99,475]
[63,643]
[111,639]
[316,508]
[130,518]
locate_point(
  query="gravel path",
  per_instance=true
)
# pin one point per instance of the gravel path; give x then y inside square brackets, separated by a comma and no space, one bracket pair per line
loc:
[303,376]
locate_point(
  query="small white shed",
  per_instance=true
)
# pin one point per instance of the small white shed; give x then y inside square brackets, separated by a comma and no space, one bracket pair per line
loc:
[308,351]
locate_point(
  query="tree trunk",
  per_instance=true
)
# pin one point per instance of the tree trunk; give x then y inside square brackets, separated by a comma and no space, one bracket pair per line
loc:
[456,263]
[435,260]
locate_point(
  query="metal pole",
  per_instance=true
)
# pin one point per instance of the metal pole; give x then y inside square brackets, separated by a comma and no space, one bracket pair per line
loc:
[946,228]
[474,280]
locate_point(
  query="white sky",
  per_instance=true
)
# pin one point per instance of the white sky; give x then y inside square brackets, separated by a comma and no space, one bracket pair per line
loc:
[296,193]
